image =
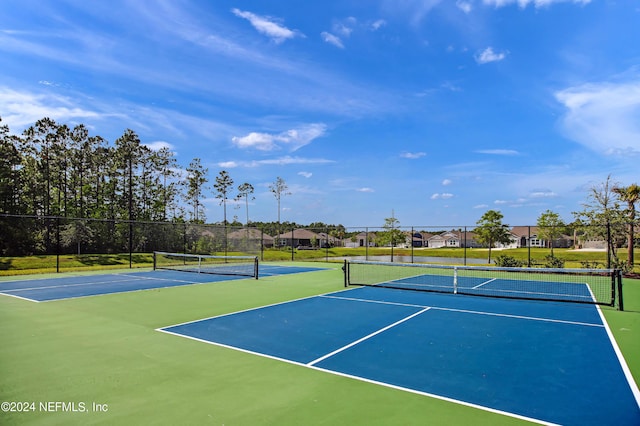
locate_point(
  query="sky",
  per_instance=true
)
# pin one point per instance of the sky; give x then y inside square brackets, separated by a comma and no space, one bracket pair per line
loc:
[432,111]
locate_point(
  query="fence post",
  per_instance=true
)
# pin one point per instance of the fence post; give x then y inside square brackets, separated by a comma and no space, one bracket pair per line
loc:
[58,244]
[411,244]
[326,242]
[366,243]
[465,246]
[620,300]
[608,245]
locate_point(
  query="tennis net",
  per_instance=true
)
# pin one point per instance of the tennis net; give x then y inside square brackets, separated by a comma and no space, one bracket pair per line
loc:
[564,285]
[207,264]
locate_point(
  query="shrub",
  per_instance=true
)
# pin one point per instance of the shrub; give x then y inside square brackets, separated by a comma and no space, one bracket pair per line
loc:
[550,261]
[508,261]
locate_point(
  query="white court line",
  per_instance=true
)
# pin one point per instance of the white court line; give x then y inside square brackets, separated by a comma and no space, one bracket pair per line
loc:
[20,297]
[469,311]
[70,285]
[345,375]
[484,283]
[315,361]
[128,279]
[623,363]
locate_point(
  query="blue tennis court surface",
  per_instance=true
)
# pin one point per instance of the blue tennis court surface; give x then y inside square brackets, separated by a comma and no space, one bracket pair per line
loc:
[547,362]
[499,287]
[48,289]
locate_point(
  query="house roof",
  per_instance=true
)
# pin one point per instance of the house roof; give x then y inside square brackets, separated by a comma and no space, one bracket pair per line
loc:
[524,231]
[454,235]
[364,234]
[299,234]
[253,233]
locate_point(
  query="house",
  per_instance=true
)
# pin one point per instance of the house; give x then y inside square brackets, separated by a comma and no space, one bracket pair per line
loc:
[418,239]
[363,239]
[249,237]
[299,238]
[528,236]
[328,240]
[453,239]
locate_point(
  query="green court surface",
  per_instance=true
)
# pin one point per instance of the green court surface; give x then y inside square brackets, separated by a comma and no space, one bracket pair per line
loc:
[100,360]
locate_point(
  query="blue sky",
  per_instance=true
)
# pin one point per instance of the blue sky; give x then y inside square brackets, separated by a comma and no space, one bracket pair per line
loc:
[437,110]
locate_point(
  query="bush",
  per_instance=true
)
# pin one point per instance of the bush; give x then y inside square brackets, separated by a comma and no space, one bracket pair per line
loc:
[588,264]
[550,261]
[508,261]
[620,264]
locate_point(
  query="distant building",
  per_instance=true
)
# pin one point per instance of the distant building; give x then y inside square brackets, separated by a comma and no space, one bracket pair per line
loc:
[249,237]
[363,239]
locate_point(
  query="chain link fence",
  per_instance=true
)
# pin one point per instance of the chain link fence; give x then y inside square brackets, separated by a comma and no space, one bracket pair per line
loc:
[129,243]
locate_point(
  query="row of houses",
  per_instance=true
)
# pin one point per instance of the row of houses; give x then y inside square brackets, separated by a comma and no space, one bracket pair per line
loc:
[521,236]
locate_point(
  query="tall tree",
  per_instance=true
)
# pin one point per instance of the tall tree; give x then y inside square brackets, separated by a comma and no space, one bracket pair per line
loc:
[222,185]
[550,227]
[167,167]
[279,188]
[36,144]
[603,217]
[10,159]
[129,155]
[629,195]
[491,230]
[392,235]
[244,192]
[195,185]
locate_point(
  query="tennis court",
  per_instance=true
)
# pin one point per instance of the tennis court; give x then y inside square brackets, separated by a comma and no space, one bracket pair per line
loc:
[50,289]
[306,353]
[546,362]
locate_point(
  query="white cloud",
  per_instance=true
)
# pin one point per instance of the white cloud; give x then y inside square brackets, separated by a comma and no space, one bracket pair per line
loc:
[536,3]
[365,189]
[376,25]
[280,161]
[305,174]
[24,108]
[543,194]
[158,145]
[228,164]
[604,117]
[488,55]
[443,196]
[480,206]
[412,155]
[292,139]
[267,26]
[332,39]
[464,6]
[345,27]
[446,182]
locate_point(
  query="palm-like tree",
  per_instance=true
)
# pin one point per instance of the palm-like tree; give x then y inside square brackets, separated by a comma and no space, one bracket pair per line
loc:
[630,195]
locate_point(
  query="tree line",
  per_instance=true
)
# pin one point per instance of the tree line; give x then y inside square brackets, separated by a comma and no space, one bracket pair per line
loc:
[54,170]
[609,215]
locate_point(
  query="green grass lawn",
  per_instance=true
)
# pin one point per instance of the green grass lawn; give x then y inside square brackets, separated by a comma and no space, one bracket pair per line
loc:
[105,350]
[85,262]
